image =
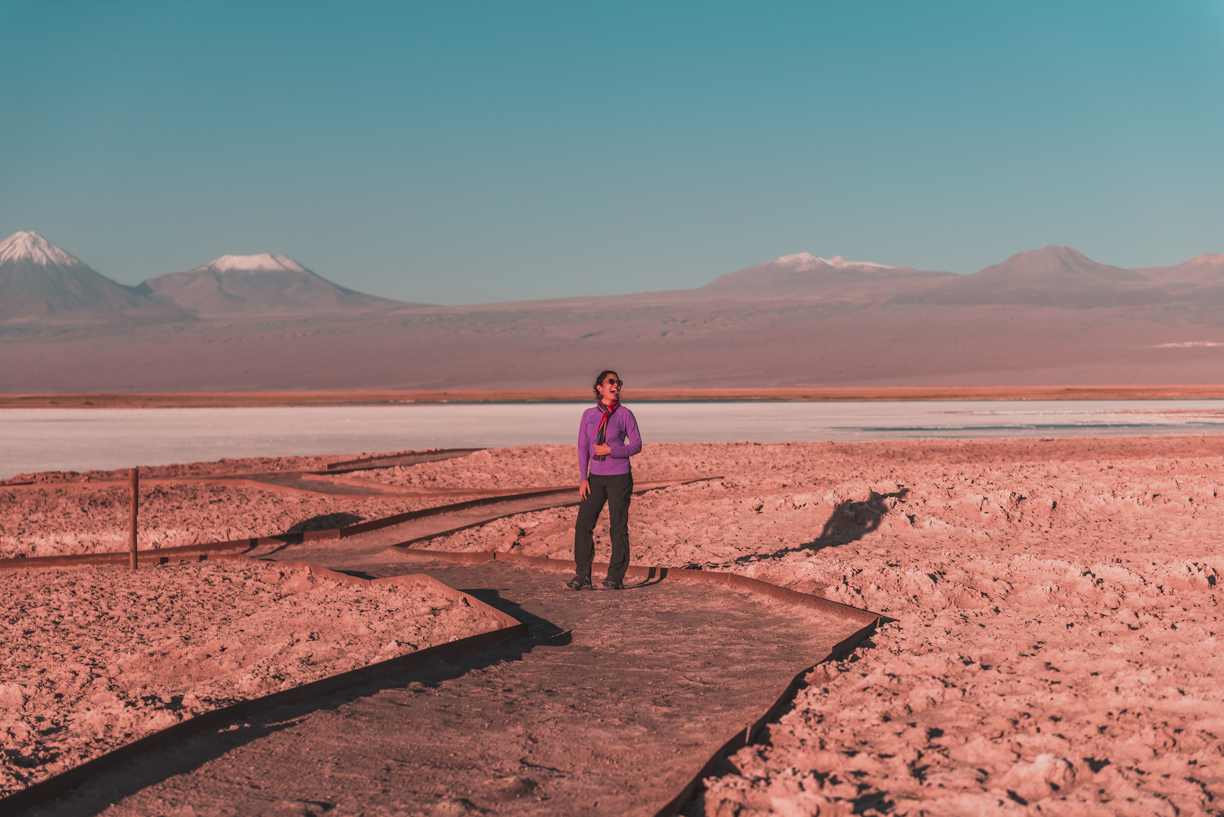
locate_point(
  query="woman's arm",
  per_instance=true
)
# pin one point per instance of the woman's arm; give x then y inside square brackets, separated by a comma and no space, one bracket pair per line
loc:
[584,449]
[633,439]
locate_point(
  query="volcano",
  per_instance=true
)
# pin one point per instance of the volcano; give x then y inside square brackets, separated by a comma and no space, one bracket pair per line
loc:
[261,284]
[40,281]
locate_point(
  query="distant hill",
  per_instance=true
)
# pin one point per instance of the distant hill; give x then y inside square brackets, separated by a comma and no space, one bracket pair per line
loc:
[39,281]
[258,284]
[1051,276]
[1207,268]
[1062,277]
[805,276]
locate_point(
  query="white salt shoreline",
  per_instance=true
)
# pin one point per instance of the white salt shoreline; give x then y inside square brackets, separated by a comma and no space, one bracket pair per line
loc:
[81,439]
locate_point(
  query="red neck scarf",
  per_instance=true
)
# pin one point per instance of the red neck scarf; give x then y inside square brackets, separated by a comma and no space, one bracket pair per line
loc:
[608,411]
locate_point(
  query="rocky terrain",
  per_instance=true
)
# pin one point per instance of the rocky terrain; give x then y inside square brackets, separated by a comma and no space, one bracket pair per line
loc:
[99,657]
[1055,648]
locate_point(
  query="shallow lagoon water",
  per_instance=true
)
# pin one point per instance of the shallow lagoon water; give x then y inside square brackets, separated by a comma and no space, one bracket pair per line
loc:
[84,439]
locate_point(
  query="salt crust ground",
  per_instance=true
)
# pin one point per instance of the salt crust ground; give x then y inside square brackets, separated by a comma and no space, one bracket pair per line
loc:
[512,468]
[1058,606]
[71,513]
[1059,614]
[98,657]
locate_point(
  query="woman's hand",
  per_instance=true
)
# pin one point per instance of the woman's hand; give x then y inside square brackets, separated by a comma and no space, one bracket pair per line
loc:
[603,449]
[584,489]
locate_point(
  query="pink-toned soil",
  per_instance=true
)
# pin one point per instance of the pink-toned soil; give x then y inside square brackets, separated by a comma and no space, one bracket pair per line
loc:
[517,468]
[221,467]
[1056,649]
[64,513]
[58,513]
[1058,603]
[98,657]
[70,519]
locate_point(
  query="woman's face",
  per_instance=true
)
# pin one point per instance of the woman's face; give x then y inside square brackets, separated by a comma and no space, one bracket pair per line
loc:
[609,388]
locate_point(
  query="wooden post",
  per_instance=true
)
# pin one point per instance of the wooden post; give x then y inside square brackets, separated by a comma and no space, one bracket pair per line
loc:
[135,507]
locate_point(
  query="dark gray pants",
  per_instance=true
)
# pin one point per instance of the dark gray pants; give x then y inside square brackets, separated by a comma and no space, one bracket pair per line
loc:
[615,491]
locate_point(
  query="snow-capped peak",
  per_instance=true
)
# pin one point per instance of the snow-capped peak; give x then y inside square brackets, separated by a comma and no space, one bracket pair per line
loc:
[32,247]
[1207,259]
[838,262]
[801,260]
[256,263]
[807,261]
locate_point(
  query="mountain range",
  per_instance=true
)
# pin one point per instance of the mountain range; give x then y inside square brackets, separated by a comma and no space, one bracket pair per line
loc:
[1044,317]
[41,282]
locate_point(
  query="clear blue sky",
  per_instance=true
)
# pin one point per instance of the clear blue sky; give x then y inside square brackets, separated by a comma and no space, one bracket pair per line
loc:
[461,152]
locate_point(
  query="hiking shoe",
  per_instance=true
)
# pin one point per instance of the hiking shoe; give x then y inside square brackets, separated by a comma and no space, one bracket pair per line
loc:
[577,583]
[611,584]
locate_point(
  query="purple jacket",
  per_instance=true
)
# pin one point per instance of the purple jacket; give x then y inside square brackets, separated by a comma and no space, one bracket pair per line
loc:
[622,435]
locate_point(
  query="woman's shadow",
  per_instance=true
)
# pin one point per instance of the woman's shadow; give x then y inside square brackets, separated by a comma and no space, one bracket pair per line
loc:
[850,521]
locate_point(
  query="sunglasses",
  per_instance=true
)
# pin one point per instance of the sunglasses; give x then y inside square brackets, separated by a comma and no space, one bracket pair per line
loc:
[613,382]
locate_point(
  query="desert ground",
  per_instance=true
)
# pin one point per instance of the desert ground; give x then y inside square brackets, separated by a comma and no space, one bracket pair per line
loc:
[57,513]
[1056,605]
[100,656]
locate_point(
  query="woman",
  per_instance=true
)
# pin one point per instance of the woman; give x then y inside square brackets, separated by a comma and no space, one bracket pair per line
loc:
[607,437]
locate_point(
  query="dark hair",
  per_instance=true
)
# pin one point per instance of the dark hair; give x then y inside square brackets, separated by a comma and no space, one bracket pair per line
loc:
[600,380]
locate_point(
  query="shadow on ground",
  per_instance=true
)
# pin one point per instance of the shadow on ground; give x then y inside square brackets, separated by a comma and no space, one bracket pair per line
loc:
[850,521]
[327,521]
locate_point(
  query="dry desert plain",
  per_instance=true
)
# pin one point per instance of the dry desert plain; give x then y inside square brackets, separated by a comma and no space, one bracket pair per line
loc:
[1055,649]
